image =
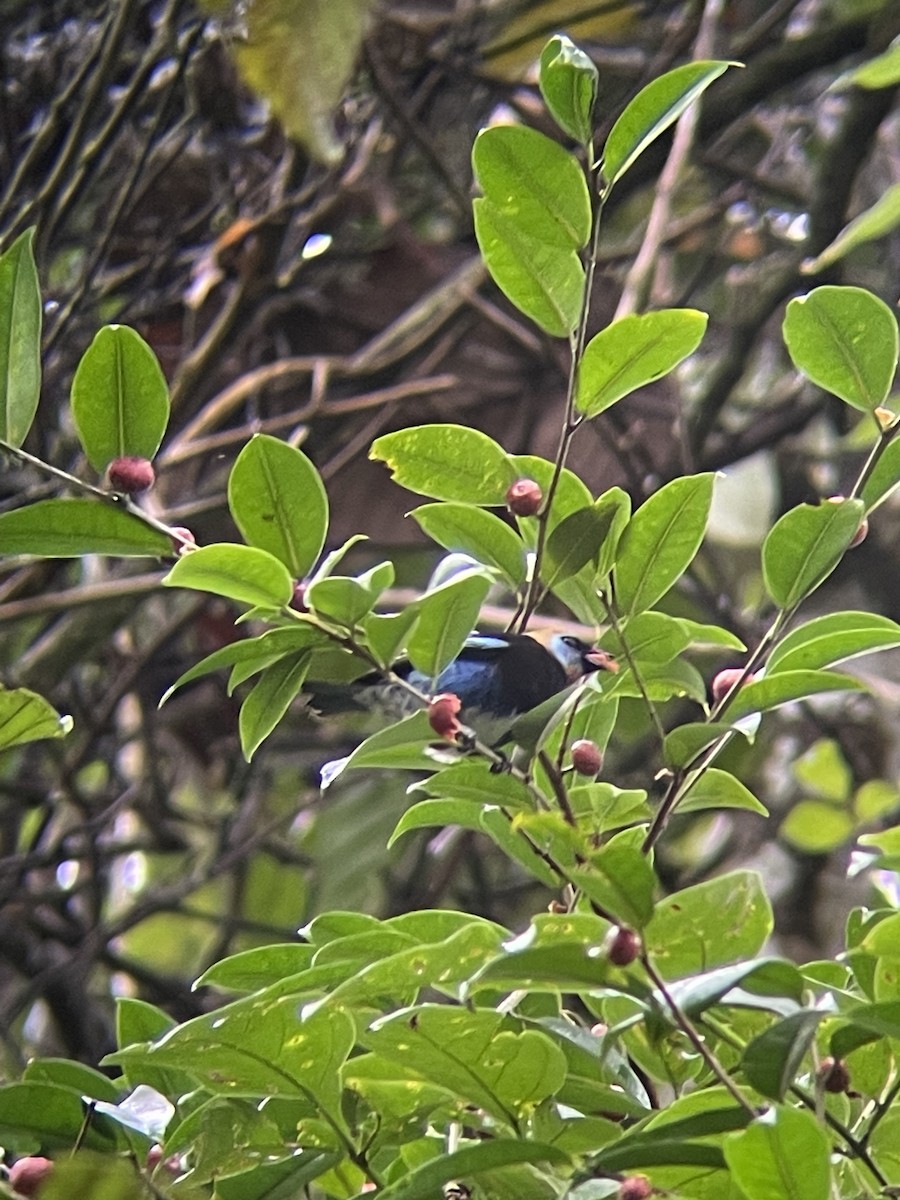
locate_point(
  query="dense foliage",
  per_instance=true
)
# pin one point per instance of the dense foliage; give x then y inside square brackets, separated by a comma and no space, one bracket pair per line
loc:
[631,1029]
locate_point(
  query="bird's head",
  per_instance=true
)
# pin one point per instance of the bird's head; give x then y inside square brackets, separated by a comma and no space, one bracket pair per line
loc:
[578,657]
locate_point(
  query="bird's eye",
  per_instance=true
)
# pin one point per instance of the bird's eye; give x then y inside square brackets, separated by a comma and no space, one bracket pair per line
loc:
[572,642]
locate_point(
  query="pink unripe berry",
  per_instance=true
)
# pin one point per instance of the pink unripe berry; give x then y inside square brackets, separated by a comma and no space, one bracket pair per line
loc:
[442,715]
[833,1075]
[635,1187]
[524,498]
[298,599]
[861,534]
[624,947]
[130,475]
[28,1174]
[586,757]
[725,681]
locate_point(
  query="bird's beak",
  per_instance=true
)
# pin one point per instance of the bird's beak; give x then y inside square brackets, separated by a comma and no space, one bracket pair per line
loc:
[601,660]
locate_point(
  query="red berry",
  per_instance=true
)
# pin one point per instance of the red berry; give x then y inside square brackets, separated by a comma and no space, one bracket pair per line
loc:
[586,757]
[183,541]
[725,681]
[28,1174]
[524,498]
[635,1187]
[130,475]
[442,715]
[624,947]
[833,1075]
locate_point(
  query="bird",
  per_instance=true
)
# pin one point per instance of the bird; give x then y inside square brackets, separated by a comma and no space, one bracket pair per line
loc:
[497,677]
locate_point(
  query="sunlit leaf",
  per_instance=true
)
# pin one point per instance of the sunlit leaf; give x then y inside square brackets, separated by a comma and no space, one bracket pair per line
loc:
[471,530]
[805,545]
[447,616]
[278,502]
[845,340]
[120,400]
[448,462]
[719,789]
[241,573]
[635,351]
[68,528]
[833,638]
[27,717]
[568,83]
[783,1153]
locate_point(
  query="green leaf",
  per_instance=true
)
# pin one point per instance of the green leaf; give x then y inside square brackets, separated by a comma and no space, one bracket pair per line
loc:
[55,1114]
[879,72]
[448,462]
[27,717]
[20,339]
[884,478]
[721,921]
[784,1155]
[346,599]
[474,1054]
[866,1023]
[250,654]
[568,83]
[575,542]
[447,616]
[805,545]
[687,742]
[496,824]
[771,1061]
[875,222]
[622,881]
[651,637]
[278,502]
[72,527]
[474,779]
[764,977]
[534,184]
[270,699]
[427,1181]
[845,340]
[300,57]
[430,813]
[634,351]
[784,687]
[241,573]
[402,746]
[719,789]
[652,111]
[543,281]
[251,970]
[386,632]
[831,639]
[661,540]
[482,535]
[73,1075]
[816,827]
[120,401]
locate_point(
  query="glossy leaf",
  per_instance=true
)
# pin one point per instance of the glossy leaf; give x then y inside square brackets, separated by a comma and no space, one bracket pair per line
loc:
[784,687]
[687,742]
[544,281]
[575,542]
[120,401]
[568,83]
[428,814]
[241,573]
[20,339]
[72,527]
[270,699]
[634,351]
[661,540]
[347,599]
[764,977]
[804,546]
[278,502]
[533,183]
[300,58]
[651,637]
[836,637]
[874,222]
[622,882]
[251,653]
[447,615]
[27,717]
[721,921]
[428,1180]
[783,1155]
[845,340]
[448,462]
[473,1054]
[719,789]
[482,535]
[250,970]
[652,111]
[884,478]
